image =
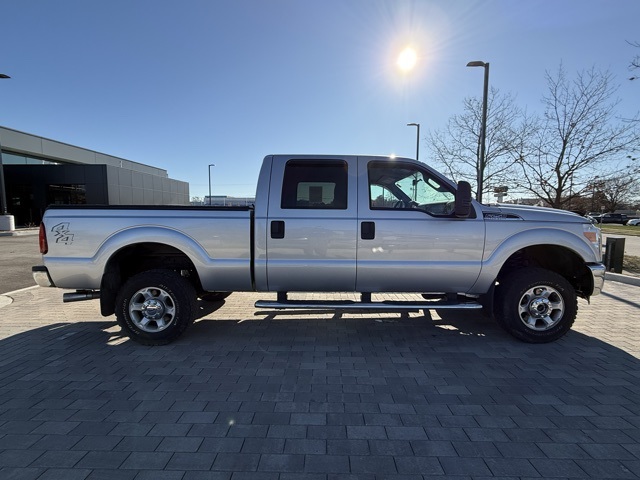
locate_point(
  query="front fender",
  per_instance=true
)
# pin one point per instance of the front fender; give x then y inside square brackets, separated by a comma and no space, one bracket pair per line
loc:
[498,256]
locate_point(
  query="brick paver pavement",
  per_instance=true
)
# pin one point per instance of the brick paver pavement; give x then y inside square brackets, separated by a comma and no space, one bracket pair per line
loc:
[252,395]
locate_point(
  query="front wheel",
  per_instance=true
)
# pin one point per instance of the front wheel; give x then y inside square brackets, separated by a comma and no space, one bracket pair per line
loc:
[155,307]
[535,305]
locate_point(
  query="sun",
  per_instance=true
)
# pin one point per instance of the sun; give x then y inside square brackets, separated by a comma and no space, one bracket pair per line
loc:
[407,59]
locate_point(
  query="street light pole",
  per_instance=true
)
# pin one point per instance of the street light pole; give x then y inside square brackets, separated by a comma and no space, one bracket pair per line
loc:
[417,138]
[483,132]
[210,165]
[3,195]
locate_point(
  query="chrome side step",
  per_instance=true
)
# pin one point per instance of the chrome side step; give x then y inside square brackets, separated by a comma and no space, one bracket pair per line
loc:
[386,306]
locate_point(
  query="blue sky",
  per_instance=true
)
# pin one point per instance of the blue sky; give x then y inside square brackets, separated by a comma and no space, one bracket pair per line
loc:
[182,84]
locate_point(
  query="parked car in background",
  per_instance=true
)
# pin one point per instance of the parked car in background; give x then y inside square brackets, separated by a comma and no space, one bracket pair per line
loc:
[620,218]
[634,222]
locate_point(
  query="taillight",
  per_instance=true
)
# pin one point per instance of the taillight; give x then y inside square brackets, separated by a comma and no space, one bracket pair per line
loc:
[42,239]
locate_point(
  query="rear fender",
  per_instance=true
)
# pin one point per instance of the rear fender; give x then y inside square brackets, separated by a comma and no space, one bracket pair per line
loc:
[214,274]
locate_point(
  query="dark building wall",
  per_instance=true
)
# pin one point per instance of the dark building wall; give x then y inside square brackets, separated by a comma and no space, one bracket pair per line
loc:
[40,171]
[31,188]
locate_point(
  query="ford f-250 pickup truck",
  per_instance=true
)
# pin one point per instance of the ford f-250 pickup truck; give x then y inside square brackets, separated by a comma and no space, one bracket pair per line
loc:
[328,224]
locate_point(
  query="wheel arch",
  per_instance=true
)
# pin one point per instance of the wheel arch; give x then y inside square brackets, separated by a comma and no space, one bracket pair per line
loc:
[556,258]
[138,257]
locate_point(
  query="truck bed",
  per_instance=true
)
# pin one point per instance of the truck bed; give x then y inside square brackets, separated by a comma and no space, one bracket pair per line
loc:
[217,240]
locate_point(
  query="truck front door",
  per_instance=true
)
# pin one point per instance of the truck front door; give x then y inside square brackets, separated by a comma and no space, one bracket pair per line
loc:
[312,224]
[409,240]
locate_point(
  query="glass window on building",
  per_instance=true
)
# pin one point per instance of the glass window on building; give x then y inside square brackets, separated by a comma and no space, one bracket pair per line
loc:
[17,159]
[66,195]
[21,205]
[13,159]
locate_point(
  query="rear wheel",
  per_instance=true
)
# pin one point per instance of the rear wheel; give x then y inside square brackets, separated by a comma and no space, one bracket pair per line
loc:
[155,307]
[535,305]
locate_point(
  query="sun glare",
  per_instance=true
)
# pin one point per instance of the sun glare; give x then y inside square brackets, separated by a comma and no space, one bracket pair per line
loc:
[407,59]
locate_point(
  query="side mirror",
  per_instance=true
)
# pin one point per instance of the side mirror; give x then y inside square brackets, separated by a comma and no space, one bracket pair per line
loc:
[463,200]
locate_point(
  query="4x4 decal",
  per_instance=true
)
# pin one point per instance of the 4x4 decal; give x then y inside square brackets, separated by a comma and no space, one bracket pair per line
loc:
[62,233]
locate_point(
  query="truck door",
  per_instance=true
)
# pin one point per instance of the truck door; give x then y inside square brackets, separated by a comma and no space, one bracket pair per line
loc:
[408,238]
[312,224]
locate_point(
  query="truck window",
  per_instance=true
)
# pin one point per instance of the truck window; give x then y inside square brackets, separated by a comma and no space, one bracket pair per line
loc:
[404,186]
[315,185]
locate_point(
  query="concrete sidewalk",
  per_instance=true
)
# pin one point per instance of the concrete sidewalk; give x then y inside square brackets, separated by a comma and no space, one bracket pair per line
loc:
[20,232]
[258,395]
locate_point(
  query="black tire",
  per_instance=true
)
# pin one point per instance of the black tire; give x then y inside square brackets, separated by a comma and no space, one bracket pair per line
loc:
[155,307]
[535,305]
[213,296]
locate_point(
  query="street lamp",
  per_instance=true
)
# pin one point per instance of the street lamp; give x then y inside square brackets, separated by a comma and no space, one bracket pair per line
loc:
[483,132]
[210,165]
[3,196]
[417,137]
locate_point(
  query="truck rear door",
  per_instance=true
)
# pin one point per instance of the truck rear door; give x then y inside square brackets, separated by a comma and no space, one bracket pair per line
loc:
[312,224]
[408,238]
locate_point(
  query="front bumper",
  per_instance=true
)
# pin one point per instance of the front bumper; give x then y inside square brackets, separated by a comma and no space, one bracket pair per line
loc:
[41,276]
[597,272]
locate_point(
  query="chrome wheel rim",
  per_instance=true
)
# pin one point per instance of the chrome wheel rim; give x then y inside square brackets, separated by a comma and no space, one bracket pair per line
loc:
[541,308]
[152,309]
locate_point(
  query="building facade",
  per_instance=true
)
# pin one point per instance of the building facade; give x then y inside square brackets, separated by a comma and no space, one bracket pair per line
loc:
[39,172]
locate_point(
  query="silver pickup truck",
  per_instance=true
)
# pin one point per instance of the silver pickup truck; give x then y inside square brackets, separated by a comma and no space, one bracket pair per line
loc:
[328,224]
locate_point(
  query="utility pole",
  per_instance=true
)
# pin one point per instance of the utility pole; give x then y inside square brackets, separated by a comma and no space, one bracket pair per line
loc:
[483,131]
[6,220]
[210,165]
[417,138]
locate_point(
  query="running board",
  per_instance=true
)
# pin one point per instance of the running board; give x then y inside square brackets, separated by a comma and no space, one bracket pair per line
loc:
[385,306]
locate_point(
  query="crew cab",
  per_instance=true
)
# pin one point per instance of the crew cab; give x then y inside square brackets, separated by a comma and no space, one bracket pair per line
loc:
[325,223]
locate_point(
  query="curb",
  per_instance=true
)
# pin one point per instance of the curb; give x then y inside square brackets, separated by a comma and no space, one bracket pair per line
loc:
[20,290]
[20,233]
[7,299]
[618,277]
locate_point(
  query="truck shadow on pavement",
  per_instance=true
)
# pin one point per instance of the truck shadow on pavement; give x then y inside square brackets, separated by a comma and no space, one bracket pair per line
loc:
[430,322]
[205,307]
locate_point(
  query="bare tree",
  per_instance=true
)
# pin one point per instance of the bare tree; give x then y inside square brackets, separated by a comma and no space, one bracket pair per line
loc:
[620,190]
[457,147]
[579,138]
[635,63]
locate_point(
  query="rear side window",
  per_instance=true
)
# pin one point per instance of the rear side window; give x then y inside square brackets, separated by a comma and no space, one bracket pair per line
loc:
[315,185]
